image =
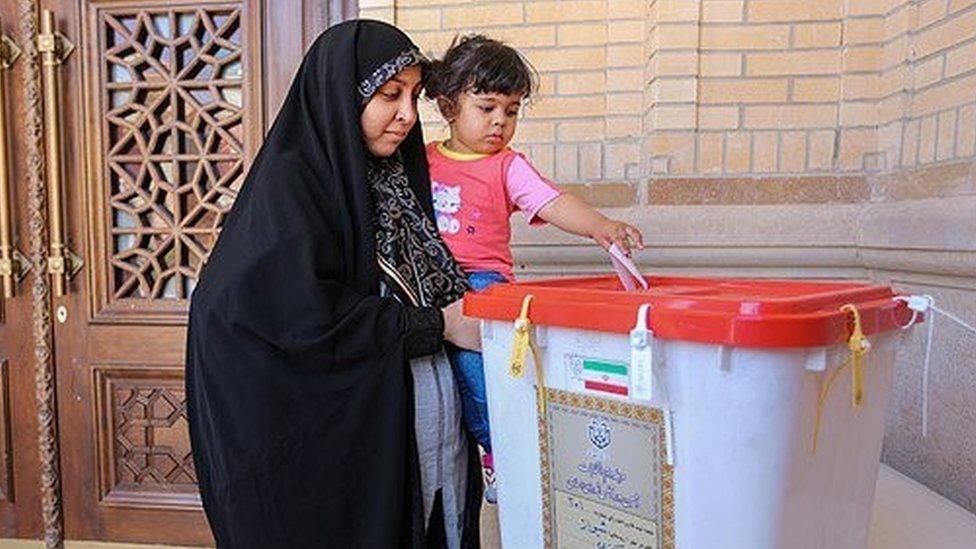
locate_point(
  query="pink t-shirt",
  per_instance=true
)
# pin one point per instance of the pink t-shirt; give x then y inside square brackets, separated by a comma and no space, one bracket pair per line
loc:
[474,196]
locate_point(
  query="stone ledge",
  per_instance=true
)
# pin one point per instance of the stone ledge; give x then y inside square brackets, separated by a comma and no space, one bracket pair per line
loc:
[932,236]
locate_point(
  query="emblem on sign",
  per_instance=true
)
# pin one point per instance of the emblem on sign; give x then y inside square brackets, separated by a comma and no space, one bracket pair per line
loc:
[599,434]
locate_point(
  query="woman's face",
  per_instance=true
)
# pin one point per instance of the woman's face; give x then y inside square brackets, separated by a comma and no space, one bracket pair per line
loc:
[391,112]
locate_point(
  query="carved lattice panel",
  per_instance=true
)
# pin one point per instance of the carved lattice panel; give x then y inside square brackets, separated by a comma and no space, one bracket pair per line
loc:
[144,446]
[174,142]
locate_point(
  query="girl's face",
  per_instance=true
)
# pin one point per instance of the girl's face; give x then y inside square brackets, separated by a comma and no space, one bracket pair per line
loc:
[484,122]
[391,113]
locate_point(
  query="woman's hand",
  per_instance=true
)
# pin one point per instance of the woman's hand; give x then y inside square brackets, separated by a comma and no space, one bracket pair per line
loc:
[611,231]
[462,331]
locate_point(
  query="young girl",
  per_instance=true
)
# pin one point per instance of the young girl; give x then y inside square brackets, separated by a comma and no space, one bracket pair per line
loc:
[478,182]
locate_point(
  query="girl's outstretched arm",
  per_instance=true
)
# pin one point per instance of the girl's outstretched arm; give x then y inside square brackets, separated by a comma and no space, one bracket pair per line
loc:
[571,214]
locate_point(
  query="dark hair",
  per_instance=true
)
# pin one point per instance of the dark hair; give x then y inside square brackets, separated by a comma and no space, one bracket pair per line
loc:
[480,64]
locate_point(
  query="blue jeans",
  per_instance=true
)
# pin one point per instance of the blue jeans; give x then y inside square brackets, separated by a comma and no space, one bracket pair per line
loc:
[469,371]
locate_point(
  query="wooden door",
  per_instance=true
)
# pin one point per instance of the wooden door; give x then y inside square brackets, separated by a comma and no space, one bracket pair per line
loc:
[163,104]
[20,509]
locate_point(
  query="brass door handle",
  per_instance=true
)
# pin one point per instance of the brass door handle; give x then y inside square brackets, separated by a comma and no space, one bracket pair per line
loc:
[54,48]
[13,265]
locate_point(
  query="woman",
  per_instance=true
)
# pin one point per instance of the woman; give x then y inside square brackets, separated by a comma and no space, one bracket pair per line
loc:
[316,331]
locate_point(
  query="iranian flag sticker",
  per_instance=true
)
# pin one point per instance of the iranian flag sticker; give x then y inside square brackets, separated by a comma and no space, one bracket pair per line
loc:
[603,376]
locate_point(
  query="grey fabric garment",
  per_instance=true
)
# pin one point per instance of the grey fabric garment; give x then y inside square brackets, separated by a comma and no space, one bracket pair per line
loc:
[441,445]
[442,448]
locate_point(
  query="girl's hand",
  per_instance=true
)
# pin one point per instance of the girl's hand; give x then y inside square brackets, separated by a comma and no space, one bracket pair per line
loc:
[571,214]
[626,237]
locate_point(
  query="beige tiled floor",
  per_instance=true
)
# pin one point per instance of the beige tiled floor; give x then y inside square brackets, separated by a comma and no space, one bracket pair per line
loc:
[906,516]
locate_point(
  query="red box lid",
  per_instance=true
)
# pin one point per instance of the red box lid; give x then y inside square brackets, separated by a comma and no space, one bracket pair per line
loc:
[722,311]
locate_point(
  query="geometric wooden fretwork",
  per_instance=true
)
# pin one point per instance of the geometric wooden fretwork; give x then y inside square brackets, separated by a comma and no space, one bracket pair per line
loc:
[174,119]
[143,441]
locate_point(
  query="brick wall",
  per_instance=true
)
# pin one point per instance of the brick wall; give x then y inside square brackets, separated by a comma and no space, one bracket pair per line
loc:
[761,88]
[584,127]
[635,90]
[779,86]
[927,82]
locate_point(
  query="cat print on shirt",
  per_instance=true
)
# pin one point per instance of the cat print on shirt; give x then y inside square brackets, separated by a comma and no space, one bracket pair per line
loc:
[447,202]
